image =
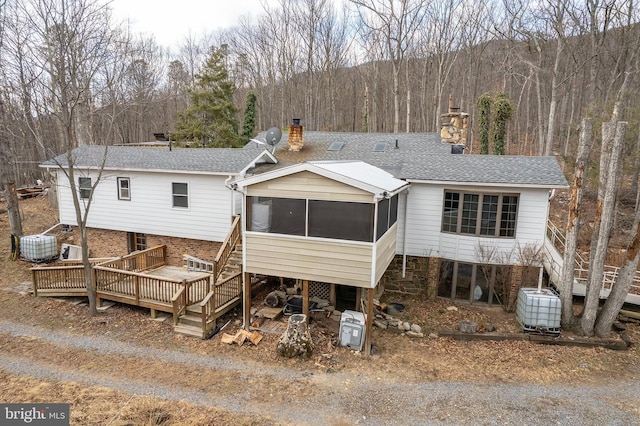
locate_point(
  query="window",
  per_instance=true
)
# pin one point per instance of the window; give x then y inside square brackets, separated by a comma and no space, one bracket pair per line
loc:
[180,194]
[312,218]
[136,241]
[489,215]
[84,183]
[474,283]
[124,189]
[341,220]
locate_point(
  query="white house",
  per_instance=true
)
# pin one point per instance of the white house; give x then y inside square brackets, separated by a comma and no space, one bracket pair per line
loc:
[462,226]
[148,196]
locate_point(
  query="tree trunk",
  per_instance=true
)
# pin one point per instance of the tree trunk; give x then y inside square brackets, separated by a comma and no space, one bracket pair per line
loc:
[607,212]
[13,210]
[621,287]
[566,282]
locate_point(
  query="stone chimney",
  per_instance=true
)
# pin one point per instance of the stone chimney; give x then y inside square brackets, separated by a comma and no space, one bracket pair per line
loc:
[453,125]
[295,136]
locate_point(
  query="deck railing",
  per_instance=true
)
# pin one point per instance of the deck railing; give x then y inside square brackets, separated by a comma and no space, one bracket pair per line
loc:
[63,278]
[610,275]
[226,248]
[218,298]
[138,286]
[179,302]
[140,260]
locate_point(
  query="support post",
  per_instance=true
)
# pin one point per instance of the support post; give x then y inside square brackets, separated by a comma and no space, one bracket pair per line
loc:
[246,303]
[369,320]
[305,299]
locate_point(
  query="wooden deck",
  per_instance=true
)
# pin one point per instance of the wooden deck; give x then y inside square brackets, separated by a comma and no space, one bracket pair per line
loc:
[143,279]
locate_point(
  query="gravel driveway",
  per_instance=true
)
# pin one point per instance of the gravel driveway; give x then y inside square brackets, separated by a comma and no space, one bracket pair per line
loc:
[340,398]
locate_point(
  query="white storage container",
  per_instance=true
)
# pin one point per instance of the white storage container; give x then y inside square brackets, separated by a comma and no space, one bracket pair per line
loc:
[539,310]
[352,330]
[38,248]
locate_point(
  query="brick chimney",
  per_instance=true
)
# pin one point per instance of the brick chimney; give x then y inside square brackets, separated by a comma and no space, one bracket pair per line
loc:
[295,136]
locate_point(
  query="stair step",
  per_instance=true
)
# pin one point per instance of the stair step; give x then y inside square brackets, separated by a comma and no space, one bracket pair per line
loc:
[190,320]
[188,330]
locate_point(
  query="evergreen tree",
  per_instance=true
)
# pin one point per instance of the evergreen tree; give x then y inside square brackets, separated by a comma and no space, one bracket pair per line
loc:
[502,112]
[249,117]
[484,110]
[211,118]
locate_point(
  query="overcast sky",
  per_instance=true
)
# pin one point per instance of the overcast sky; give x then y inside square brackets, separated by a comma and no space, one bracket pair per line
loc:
[171,21]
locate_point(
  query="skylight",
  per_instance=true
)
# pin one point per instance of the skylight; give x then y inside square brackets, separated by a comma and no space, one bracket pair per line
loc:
[336,146]
[380,146]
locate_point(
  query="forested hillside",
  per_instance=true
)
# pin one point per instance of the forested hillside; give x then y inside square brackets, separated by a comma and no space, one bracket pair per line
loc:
[71,75]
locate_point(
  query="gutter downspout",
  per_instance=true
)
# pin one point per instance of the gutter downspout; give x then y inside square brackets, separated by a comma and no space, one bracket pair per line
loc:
[233,195]
[404,237]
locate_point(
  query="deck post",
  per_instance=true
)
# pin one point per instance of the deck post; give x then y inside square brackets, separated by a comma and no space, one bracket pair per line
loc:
[369,325]
[246,303]
[35,283]
[305,299]
[94,283]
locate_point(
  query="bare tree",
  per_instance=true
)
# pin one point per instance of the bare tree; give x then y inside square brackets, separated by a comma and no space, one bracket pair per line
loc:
[71,46]
[573,222]
[397,22]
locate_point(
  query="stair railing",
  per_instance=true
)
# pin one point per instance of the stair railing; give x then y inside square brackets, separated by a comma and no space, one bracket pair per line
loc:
[226,248]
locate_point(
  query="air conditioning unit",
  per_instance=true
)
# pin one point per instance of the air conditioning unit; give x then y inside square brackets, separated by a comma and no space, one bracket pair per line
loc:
[352,330]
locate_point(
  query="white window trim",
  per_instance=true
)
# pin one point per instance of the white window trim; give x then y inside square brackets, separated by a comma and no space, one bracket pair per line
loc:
[81,189]
[120,196]
[187,196]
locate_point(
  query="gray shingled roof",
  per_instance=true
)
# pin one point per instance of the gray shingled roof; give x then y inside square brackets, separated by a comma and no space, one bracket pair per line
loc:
[204,160]
[415,156]
[419,156]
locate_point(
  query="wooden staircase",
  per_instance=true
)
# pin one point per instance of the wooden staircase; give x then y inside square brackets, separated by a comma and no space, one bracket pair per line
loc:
[233,265]
[199,319]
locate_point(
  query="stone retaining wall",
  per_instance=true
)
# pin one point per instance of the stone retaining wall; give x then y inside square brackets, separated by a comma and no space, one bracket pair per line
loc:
[421,276]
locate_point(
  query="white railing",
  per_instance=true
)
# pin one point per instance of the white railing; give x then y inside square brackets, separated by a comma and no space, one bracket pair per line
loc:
[194,264]
[610,274]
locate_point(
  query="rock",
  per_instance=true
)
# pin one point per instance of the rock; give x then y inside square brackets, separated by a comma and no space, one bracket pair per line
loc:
[406,326]
[396,329]
[490,328]
[393,322]
[380,324]
[416,328]
[329,308]
[414,334]
[452,308]
[469,327]
[433,336]
[296,340]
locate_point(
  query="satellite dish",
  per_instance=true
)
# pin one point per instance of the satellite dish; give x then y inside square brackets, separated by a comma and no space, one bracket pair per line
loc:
[273,136]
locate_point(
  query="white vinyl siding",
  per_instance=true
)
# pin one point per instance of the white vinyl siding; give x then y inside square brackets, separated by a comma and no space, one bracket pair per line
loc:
[150,211]
[385,252]
[309,185]
[338,262]
[425,238]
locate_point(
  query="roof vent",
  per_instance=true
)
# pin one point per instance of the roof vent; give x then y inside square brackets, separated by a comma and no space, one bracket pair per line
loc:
[457,149]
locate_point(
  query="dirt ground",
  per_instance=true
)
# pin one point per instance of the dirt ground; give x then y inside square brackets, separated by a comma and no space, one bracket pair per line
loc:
[396,358]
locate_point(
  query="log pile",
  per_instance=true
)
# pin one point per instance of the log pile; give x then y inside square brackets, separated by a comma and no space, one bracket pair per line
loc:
[241,337]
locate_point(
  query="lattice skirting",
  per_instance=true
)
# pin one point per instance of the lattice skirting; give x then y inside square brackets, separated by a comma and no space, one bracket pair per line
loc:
[319,289]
